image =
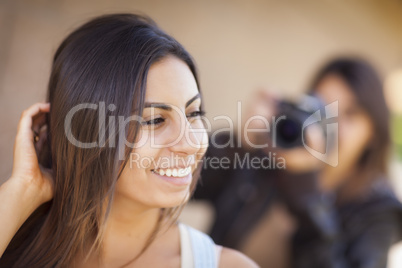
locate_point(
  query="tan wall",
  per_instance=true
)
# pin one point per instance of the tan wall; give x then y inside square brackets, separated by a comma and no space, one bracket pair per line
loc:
[238,45]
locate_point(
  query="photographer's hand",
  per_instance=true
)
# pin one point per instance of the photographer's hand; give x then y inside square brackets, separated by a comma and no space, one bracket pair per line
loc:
[298,159]
[258,116]
[264,105]
[30,185]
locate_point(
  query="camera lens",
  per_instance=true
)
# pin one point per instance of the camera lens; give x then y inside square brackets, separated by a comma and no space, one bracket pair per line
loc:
[288,131]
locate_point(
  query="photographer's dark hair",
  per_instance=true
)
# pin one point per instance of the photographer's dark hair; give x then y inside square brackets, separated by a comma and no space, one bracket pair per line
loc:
[105,60]
[366,85]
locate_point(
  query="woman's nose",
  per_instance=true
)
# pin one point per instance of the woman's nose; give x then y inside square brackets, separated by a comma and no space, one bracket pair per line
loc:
[190,140]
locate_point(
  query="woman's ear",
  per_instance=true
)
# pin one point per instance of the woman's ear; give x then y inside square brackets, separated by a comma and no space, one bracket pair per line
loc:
[43,149]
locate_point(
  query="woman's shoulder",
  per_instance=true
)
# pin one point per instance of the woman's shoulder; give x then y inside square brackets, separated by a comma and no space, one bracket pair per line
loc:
[205,251]
[379,203]
[233,258]
[382,193]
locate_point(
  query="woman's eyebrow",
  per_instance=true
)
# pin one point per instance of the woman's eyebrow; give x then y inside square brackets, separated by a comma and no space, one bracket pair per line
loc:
[193,99]
[158,105]
[166,106]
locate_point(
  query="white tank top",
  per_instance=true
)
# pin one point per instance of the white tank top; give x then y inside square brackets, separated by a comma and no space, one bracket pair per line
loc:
[198,250]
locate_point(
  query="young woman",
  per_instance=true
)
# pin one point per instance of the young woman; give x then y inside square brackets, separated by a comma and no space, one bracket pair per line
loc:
[103,169]
[359,217]
[366,212]
[347,215]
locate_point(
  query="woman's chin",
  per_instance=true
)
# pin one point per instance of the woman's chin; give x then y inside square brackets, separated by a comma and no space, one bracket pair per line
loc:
[175,199]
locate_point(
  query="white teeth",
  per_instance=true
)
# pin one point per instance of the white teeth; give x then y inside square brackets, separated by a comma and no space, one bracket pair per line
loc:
[181,172]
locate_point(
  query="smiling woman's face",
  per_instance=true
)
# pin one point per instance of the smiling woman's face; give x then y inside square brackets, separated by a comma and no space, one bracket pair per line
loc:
[171,140]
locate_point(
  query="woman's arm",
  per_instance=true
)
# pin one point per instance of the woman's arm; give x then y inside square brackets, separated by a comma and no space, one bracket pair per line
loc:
[30,185]
[17,202]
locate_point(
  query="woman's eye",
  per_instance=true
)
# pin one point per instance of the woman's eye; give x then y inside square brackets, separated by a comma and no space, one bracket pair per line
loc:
[196,114]
[154,122]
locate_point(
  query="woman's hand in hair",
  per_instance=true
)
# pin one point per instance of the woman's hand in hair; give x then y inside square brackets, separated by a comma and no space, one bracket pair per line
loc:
[30,185]
[31,136]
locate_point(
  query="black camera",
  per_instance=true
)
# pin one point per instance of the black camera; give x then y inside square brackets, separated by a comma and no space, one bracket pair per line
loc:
[291,117]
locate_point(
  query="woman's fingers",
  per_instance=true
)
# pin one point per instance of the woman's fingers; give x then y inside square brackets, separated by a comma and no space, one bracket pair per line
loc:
[26,168]
[26,122]
[25,132]
[25,158]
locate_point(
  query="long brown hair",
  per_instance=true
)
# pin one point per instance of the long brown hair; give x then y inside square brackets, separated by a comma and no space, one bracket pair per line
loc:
[366,85]
[105,60]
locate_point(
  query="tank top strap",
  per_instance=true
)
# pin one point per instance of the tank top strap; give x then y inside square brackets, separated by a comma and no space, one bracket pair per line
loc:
[198,250]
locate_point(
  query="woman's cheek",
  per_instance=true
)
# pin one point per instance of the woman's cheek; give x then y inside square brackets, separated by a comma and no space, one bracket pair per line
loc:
[204,142]
[199,137]
[355,134]
[142,139]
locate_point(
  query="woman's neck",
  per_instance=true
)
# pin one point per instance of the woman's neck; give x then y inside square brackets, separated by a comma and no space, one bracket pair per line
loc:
[126,216]
[128,229]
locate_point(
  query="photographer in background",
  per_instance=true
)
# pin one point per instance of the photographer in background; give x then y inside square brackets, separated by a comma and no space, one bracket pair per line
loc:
[313,214]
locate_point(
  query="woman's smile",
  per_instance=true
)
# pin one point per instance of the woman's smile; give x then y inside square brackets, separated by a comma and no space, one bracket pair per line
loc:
[175,176]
